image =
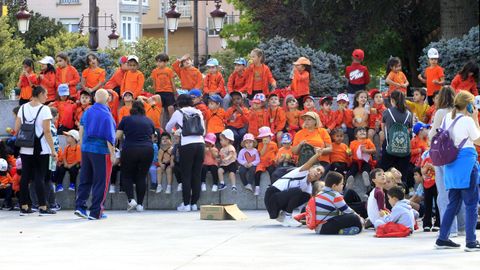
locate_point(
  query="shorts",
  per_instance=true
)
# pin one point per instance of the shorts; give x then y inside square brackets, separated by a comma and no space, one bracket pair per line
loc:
[230,168]
[168,99]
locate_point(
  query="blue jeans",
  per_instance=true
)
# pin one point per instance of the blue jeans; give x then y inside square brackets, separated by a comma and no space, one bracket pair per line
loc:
[442,201]
[469,196]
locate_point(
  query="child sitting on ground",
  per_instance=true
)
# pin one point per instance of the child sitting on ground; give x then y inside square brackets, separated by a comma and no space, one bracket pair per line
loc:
[341,156]
[327,116]
[362,150]
[376,199]
[268,150]
[375,118]
[210,162]
[228,159]
[165,163]
[248,158]
[402,213]
[72,156]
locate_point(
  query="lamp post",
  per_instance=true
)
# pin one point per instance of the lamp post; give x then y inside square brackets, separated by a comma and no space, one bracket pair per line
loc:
[93,27]
[23,17]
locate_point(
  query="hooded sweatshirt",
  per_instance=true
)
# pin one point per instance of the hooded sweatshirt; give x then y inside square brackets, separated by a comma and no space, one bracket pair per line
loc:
[402,213]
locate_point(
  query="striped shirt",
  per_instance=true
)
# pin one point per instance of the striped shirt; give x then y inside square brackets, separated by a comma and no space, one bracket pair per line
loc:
[330,203]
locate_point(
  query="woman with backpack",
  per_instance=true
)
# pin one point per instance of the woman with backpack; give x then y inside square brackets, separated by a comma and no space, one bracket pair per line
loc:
[461,175]
[192,148]
[445,98]
[396,124]
[32,127]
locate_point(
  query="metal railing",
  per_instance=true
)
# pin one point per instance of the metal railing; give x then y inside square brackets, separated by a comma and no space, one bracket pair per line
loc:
[68,2]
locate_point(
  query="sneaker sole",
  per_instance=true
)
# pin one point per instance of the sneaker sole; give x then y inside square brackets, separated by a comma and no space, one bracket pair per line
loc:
[45,214]
[472,249]
[80,215]
[26,214]
[445,247]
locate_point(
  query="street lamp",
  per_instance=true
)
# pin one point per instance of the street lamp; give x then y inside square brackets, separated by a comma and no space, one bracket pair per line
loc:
[172,17]
[113,39]
[23,17]
[93,27]
[218,16]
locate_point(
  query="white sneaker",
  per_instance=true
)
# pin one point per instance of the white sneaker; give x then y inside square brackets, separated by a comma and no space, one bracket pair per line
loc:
[139,208]
[257,191]
[249,187]
[168,190]
[179,187]
[204,187]
[366,179]
[194,207]
[289,221]
[184,208]
[281,217]
[159,188]
[112,189]
[131,205]
[214,188]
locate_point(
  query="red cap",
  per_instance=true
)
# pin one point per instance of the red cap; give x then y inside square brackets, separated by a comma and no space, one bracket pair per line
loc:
[358,54]
[122,60]
[373,92]
[327,98]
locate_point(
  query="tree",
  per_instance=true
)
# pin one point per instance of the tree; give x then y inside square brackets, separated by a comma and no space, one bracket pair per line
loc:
[12,54]
[457,17]
[62,42]
[147,49]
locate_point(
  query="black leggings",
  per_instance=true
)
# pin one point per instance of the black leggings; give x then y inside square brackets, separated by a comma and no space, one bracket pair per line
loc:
[430,197]
[287,200]
[135,164]
[34,169]
[258,175]
[355,202]
[335,224]
[191,161]
[213,169]
[400,163]
[61,171]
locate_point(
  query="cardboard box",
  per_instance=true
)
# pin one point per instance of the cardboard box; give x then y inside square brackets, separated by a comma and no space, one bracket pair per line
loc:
[221,212]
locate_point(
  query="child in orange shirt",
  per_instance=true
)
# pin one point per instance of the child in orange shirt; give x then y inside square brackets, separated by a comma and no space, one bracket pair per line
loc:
[215,115]
[268,151]
[396,79]
[127,105]
[113,104]
[293,115]
[466,79]
[276,117]
[213,82]
[418,144]
[434,77]
[327,116]
[93,77]
[308,106]
[115,81]
[153,109]
[430,113]
[285,156]
[66,109]
[301,79]
[236,118]
[344,116]
[6,182]
[256,117]
[47,79]
[85,100]
[163,83]
[362,150]
[26,81]
[341,156]
[237,80]
[67,74]
[198,102]
[259,76]
[360,112]
[190,77]
[376,113]
[133,79]
[72,156]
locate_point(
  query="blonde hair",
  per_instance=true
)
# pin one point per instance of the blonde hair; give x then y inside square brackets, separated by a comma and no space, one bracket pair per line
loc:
[317,187]
[259,52]
[389,175]
[462,99]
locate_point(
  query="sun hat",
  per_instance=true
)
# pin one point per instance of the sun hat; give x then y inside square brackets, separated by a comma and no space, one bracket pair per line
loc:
[195,93]
[132,57]
[313,115]
[74,134]
[249,137]
[419,126]
[228,134]
[433,53]
[240,61]
[302,61]
[47,60]
[3,165]
[211,138]
[63,90]
[358,54]
[212,62]
[286,138]
[215,98]
[264,132]
[342,97]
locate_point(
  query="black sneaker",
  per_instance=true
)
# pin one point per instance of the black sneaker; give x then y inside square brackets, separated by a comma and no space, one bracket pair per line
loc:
[47,212]
[427,229]
[448,244]
[27,212]
[472,247]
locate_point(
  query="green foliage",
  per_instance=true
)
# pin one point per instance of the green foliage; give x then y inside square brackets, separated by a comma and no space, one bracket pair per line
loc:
[280,53]
[78,58]
[61,42]
[12,53]
[123,49]
[226,59]
[454,53]
[146,49]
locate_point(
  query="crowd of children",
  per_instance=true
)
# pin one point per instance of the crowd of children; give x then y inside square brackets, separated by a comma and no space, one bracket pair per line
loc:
[250,130]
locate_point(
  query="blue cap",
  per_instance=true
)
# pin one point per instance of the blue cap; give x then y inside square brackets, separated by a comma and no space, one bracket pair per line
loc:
[216,98]
[240,61]
[419,126]
[63,90]
[212,62]
[286,138]
[195,93]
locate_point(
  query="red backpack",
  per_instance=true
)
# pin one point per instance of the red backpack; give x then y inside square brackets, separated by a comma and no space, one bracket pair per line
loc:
[392,229]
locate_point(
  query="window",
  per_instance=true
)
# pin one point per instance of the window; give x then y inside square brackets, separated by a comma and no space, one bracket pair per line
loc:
[71,25]
[134,2]
[229,19]
[130,28]
[183,7]
[69,2]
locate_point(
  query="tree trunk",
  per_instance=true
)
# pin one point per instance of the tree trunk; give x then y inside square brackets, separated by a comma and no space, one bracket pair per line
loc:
[457,17]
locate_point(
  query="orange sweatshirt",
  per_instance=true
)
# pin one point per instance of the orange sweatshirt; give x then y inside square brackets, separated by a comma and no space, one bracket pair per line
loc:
[237,82]
[344,117]
[417,147]
[215,120]
[256,120]
[66,112]
[469,84]
[293,119]
[93,76]
[190,78]
[268,158]
[258,77]
[376,113]
[48,82]
[124,111]
[162,80]
[133,82]
[214,84]
[79,112]
[25,88]
[116,79]
[354,145]
[154,113]
[5,180]
[328,119]
[235,119]
[68,75]
[276,119]
[300,83]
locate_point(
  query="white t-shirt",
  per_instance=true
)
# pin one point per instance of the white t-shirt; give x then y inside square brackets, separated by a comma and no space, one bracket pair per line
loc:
[30,113]
[294,179]
[464,128]
[177,118]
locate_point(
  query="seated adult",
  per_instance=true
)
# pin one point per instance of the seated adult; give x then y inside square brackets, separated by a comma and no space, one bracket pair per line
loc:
[293,190]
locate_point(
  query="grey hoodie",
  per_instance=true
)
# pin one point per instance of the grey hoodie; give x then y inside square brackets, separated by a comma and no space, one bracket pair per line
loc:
[402,213]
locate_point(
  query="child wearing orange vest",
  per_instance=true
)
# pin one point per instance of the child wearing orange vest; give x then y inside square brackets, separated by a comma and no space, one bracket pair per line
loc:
[293,115]
[85,100]
[276,117]
[67,74]
[133,79]
[72,156]
[236,118]
[375,117]
[127,105]
[327,116]
[257,116]
[215,115]
[93,77]
[268,151]
[190,77]
[66,109]
[259,77]
[434,77]
[213,82]
[396,79]
[301,79]
[163,83]
[341,156]
[115,81]
[26,81]
[47,79]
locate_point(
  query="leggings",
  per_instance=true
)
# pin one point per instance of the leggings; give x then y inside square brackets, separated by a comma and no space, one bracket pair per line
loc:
[135,164]
[258,174]
[178,173]
[191,161]
[213,169]
[247,174]
[287,200]
[400,163]
[61,171]
[114,177]
[34,169]
[430,195]
[49,190]
[335,224]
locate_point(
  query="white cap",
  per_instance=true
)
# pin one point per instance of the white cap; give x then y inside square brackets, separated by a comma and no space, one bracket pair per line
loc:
[343,97]
[47,60]
[3,165]
[74,134]
[432,53]
[133,57]
[228,134]
[477,102]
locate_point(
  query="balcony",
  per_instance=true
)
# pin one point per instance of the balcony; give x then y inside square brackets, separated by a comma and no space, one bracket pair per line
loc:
[131,6]
[68,2]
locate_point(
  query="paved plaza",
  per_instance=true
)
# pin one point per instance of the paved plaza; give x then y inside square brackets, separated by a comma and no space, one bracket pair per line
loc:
[172,240]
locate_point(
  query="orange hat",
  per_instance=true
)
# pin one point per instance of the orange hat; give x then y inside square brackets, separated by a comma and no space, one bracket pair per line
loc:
[358,54]
[303,61]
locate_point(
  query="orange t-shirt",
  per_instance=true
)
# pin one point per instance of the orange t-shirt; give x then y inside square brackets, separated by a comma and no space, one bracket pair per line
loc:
[300,83]
[417,147]
[79,112]
[116,79]
[276,119]
[469,84]
[72,154]
[132,81]
[93,76]
[190,78]
[257,78]
[288,153]
[162,80]
[344,117]
[214,84]
[68,75]
[235,119]
[433,74]
[318,137]
[25,88]
[16,182]
[339,153]
[66,112]
[203,108]
[376,116]
[49,83]
[293,119]
[398,77]
[154,113]
[354,145]
[114,104]
[237,82]
[430,113]
[328,119]
[256,120]
[5,180]
[124,111]
[269,157]
[215,120]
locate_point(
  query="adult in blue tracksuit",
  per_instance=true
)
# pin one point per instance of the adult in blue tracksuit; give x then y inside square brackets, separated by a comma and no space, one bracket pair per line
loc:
[461,176]
[97,133]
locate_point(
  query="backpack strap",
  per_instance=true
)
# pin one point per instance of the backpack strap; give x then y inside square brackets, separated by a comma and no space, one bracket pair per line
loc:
[450,129]
[35,120]
[391,114]
[406,119]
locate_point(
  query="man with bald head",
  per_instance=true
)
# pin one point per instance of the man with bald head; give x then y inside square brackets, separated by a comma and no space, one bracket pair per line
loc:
[97,140]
